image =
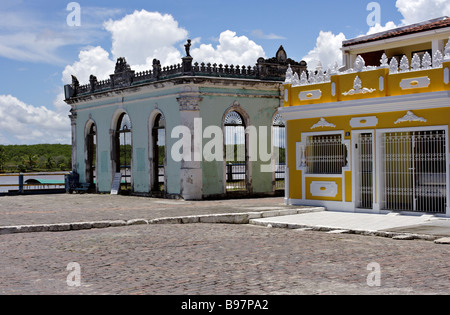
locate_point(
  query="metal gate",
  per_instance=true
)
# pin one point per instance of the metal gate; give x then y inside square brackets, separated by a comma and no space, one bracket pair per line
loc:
[415,171]
[364,160]
[279,147]
[236,153]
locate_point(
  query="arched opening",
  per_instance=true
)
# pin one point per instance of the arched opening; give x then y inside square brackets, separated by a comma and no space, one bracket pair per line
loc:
[279,151]
[235,143]
[123,151]
[91,154]
[158,161]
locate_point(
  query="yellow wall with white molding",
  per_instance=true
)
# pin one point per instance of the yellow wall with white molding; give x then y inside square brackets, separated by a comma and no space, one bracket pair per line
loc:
[386,120]
[379,81]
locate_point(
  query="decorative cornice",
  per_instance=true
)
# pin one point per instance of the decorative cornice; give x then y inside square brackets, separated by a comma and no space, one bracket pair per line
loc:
[410,117]
[368,106]
[323,124]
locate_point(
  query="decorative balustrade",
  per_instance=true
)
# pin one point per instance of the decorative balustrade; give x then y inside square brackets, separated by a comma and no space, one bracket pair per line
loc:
[125,77]
[394,77]
[417,64]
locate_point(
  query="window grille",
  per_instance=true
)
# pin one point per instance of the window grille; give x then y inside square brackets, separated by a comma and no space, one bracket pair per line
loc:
[325,154]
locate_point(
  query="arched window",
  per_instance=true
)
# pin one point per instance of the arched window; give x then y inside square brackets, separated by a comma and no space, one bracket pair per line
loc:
[91,153]
[235,152]
[123,155]
[159,154]
[279,150]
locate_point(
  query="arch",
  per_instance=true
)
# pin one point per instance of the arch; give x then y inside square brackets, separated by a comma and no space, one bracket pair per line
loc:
[237,172]
[122,148]
[157,152]
[279,151]
[90,152]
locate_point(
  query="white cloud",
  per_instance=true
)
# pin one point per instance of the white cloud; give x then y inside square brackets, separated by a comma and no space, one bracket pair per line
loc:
[327,50]
[162,39]
[27,124]
[92,60]
[260,34]
[142,36]
[328,45]
[379,28]
[232,49]
[415,11]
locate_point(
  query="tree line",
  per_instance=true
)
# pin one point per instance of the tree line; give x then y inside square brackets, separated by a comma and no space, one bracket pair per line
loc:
[35,158]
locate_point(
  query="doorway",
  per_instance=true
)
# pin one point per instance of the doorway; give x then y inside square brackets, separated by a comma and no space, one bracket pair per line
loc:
[414,171]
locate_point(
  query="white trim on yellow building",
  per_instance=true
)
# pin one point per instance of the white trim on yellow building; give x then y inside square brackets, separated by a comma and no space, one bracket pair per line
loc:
[371,139]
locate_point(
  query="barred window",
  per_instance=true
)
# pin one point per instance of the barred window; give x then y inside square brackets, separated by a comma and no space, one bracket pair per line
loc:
[326,154]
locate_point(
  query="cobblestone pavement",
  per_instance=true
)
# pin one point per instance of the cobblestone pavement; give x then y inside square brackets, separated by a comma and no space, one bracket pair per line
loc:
[201,259]
[208,259]
[65,208]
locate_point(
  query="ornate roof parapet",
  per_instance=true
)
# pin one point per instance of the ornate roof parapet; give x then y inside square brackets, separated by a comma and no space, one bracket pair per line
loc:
[273,69]
[391,78]
[123,75]
[277,66]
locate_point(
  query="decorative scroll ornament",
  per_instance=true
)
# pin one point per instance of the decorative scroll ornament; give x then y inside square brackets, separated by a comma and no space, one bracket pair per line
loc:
[410,117]
[393,66]
[289,75]
[323,124]
[404,64]
[359,64]
[426,61]
[415,63]
[447,51]
[438,59]
[358,89]
[303,78]
[384,61]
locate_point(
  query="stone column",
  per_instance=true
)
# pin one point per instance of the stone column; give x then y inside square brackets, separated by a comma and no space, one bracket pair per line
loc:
[73,121]
[191,175]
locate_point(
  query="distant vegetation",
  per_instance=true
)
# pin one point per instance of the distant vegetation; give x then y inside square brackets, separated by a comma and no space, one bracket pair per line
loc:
[35,158]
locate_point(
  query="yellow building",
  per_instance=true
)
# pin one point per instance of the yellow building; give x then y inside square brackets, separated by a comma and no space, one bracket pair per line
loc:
[374,138]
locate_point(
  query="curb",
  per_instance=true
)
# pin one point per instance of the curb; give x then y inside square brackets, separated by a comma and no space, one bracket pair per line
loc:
[393,235]
[227,218]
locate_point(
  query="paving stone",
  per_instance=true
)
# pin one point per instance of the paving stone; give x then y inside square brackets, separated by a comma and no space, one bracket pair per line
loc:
[63,227]
[81,226]
[339,232]
[225,259]
[445,240]
[101,224]
[190,220]
[405,237]
[137,222]
[9,230]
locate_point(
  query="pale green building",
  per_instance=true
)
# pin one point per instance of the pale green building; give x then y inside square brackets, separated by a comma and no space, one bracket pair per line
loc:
[179,131]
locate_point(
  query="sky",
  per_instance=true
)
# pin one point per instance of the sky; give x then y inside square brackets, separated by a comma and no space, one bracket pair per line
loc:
[43,43]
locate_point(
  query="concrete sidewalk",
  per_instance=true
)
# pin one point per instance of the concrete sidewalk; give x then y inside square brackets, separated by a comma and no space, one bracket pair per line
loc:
[391,225]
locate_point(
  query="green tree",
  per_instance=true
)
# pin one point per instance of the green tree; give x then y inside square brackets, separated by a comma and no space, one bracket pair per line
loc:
[30,161]
[2,157]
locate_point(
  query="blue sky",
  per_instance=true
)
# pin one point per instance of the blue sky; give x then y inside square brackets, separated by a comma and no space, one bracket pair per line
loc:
[39,51]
